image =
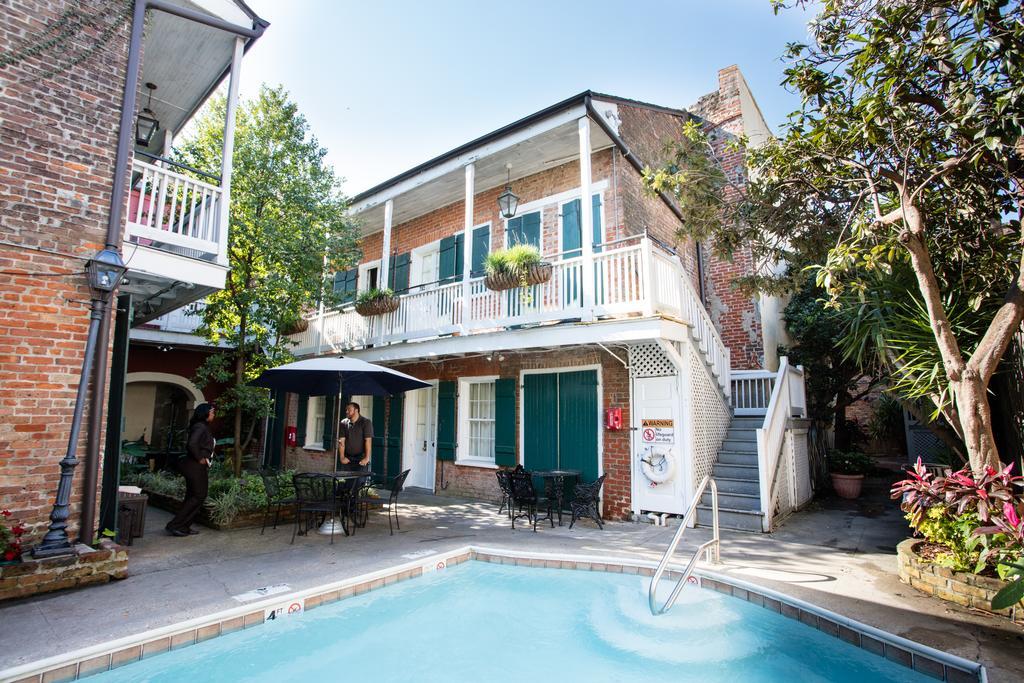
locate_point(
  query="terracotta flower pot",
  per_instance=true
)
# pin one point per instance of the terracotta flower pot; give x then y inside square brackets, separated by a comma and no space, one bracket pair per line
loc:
[848,485]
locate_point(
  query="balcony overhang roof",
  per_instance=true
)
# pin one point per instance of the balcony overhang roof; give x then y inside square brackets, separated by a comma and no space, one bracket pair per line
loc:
[188,61]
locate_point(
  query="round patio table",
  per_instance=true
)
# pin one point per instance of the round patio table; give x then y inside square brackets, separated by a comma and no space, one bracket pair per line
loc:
[331,525]
[554,481]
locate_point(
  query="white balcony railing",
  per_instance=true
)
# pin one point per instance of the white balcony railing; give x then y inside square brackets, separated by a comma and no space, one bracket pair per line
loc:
[631,277]
[176,213]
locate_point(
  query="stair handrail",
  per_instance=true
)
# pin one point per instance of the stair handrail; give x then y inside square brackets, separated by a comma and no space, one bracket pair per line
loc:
[786,395]
[711,548]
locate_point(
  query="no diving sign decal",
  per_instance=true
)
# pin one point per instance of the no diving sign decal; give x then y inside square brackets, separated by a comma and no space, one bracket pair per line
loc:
[285,609]
[657,431]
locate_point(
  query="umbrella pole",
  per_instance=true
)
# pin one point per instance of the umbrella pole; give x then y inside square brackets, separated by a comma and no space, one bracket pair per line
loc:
[332,525]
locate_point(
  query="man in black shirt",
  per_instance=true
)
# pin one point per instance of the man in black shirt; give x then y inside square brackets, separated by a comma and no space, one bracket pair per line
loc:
[355,440]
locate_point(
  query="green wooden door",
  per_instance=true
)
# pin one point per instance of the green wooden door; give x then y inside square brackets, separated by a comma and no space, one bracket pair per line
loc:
[394,438]
[377,454]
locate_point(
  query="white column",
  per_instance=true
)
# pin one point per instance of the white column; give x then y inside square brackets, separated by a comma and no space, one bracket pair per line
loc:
[467,245]
[385,249]
[586,220]
[228,151]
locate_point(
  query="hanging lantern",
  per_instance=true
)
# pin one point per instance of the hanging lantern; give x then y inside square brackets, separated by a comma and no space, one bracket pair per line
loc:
[146,124]
[508,202]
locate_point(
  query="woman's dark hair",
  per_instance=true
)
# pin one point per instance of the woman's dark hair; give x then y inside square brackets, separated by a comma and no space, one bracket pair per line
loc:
[201,412]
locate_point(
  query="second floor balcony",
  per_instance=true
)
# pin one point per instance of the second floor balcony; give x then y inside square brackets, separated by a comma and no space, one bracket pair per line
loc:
[632,278]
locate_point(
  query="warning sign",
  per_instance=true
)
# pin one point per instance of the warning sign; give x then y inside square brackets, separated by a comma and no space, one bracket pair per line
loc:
[658,431]
[287,609]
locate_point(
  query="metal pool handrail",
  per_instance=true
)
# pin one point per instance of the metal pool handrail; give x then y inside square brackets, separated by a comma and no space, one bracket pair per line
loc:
[710,547]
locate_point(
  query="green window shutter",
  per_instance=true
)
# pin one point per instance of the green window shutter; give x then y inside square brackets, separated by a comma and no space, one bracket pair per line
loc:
[377,442]
[571,244]
[394,440]
[329,422]
[540,421]
[513,231]
[345,284]
[300,428]
[450,259]
[597,224]
[398,273]
[505,422]
[531,229]
[577,422]
[446,421]
[481,247]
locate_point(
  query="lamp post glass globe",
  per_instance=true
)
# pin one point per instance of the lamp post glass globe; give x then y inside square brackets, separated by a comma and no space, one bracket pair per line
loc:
[146,127]
[105,270]
[508,203]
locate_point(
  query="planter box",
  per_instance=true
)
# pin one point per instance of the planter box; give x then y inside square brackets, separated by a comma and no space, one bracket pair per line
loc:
[388,304]
[966,590]
[535,275]
[245,520]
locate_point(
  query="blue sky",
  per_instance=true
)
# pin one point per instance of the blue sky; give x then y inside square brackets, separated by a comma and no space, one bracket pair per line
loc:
[389,84]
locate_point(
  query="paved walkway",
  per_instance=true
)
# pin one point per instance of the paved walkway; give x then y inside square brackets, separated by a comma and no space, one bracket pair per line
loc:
[839,555]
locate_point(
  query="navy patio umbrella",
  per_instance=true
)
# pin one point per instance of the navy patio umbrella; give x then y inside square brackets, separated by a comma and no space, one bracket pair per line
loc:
[327,376]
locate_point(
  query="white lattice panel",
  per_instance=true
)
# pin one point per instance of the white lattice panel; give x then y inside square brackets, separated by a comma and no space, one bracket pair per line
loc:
[784,485]
[648,360]
[801,469]
[710,418]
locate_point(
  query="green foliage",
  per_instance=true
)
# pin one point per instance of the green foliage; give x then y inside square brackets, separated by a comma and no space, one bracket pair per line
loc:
[288,229]
[886,418]
[849,462]
[514,260]
[1013,592]
[372,295]
[956,533]
[164,483]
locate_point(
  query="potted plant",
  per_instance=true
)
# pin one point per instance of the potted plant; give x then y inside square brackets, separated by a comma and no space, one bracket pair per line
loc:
[517,266]
[10,540]
[376,302]
[847,470]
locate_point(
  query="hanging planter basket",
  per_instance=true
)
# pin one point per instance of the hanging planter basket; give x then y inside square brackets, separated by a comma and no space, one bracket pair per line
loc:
[377,306]
[536,274]
[300,325]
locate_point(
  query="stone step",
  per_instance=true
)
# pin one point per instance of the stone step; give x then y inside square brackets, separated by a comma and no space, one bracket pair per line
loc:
[747,472]
[738,520]
[734,501]
[739,445]
[737,457]
[741,434]
[729,485]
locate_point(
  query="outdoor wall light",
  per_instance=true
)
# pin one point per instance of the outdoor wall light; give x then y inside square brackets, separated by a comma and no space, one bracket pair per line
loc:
[508,202]
[105,270]
[146,124]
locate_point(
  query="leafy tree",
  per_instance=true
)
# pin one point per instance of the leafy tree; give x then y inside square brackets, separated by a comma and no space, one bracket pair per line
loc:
[288,228]
[905,155]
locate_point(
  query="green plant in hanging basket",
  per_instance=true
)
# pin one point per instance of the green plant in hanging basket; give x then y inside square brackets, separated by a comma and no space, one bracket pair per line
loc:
[516,266]
[376,302]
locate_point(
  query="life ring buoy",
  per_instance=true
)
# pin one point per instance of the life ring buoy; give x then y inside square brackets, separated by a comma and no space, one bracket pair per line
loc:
[658,467]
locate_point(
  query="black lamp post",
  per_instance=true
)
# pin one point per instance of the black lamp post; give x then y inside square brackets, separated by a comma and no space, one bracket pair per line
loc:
[508,202]
[104,272]
[146,124]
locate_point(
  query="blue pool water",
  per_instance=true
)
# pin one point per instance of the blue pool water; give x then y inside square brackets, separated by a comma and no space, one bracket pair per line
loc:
[486,622]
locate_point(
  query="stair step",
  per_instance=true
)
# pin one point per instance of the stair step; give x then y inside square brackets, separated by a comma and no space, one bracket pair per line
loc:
[739,520]
[734,501]
[730,485]
[747,422]
[748,472]
[741,433]
[737,457]
[739,445]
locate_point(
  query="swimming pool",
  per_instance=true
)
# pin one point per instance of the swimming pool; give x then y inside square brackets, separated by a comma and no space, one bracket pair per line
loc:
[492,622]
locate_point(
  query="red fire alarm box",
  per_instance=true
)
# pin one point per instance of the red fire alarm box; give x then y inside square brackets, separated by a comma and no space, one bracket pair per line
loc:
[613,419]
[291,436]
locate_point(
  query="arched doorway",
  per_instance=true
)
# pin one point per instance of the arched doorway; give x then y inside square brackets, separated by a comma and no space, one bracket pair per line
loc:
[157,408]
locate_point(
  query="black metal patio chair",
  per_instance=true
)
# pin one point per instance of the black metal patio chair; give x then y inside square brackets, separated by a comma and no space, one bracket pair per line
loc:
[276,497]
[525,497]
[505,485]
[586,502]
[391,505]
[315,500]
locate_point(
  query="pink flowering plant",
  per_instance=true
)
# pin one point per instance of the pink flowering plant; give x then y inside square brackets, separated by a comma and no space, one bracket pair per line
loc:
[10,538]
[974,520]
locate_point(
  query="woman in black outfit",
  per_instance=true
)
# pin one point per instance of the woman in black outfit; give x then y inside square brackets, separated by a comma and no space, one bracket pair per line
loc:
[195,467]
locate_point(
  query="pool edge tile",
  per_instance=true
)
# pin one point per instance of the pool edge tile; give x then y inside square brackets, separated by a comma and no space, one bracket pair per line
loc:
[68,672]
[208,631]
[125,655]
[184,639]
[156,646]
[94,665]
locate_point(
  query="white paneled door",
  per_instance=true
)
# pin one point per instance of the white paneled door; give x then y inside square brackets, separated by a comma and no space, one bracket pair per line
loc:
[420,442]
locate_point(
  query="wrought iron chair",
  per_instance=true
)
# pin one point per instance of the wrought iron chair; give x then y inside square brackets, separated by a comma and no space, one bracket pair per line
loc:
[505,485]
[393,490]
[276,497]
[585,502]
[525,497]
[315,498]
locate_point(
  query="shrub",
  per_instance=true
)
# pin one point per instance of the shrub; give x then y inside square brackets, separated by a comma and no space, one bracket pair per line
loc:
[10,538]
[849,462]
[372,295]
[513,261]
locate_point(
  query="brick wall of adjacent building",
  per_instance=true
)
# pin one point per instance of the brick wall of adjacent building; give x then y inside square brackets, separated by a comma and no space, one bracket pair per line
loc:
[737,315]
[58,136]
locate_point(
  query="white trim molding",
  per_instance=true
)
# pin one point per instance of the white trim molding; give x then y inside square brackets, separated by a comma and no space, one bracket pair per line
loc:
[167,378]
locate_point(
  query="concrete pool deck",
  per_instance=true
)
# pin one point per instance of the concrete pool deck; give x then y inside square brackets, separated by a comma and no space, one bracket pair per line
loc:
[838,555]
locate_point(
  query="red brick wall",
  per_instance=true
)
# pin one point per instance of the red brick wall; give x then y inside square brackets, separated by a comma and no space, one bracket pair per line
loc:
[58,137]
[737,316]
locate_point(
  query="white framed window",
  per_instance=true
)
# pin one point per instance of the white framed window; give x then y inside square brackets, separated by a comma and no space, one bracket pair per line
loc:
[315,423]
[368,276]
[476,421]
